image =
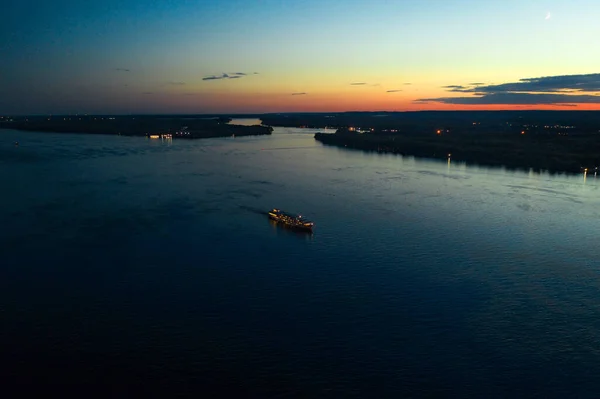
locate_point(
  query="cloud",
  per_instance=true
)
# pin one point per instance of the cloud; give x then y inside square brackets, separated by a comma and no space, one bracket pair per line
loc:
[407,84]
[547,84]
[458,89]
[231,75]
[213,77]
[176,83]
[122,69]
[298,94]
[393,91]
[546,90]
[375,85]
[516,98]
[476,84]
[357,84]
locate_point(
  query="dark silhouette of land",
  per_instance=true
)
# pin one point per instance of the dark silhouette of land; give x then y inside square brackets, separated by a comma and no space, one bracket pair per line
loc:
[554,141]
[426,121]
[188,127]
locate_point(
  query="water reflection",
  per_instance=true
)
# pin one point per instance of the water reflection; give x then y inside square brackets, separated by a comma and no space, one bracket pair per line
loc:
[279,228]
[245,121]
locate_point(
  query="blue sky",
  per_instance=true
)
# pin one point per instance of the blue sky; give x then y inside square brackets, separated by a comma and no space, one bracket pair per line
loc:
[151,56]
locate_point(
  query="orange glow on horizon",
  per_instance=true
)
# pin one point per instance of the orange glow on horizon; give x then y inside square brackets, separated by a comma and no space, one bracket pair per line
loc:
[308,103]
[343,101]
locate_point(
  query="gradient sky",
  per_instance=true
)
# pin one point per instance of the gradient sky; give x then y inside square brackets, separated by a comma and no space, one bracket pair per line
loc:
[192,56]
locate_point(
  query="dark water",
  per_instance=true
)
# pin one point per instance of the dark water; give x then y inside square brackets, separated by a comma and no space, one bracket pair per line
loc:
[133,266]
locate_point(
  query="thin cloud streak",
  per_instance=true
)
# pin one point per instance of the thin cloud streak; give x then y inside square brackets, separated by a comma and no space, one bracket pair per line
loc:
[393,91]
[299,94]
[458,89]
[357,84]
[231,75]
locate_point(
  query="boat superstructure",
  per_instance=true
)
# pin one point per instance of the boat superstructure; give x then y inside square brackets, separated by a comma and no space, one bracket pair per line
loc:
[296,222]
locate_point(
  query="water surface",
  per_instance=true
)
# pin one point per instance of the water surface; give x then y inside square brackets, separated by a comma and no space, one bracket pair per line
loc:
[150,266]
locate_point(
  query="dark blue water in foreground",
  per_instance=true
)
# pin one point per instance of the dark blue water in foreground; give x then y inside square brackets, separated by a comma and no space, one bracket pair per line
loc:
[131,266]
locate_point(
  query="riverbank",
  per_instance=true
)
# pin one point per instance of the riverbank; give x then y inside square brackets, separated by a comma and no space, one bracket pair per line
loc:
[523,151]
[148,126]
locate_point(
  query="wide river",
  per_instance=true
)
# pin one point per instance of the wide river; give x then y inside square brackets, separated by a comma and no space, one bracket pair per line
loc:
[130,265]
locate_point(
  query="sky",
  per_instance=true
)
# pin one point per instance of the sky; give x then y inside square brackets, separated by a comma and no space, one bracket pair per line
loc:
[258,56]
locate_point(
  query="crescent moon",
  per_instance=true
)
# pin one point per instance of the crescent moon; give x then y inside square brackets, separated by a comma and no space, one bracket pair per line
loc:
[548,15]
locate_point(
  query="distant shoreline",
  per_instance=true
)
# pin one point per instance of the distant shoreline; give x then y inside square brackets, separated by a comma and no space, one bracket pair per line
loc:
[540,154]
[147,126]
[553,141]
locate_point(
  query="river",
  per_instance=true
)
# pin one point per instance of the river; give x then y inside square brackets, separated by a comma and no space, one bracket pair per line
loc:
[150,266]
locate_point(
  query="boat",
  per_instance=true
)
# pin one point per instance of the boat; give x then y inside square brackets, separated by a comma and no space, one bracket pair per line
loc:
[295,222]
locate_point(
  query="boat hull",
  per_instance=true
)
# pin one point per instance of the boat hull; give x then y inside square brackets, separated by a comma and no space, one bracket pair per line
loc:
[291,222]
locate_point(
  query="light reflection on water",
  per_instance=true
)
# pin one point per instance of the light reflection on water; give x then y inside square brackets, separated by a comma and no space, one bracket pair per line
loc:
[282,229]
[246,121]
[422,277]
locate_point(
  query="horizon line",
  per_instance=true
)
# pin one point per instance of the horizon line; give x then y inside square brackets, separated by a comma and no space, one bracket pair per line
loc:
[6,115]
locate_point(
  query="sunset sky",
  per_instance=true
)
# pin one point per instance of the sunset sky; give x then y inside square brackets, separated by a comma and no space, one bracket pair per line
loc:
[254,56]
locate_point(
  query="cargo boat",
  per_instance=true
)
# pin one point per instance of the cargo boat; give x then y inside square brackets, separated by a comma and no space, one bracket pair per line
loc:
[295,222]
